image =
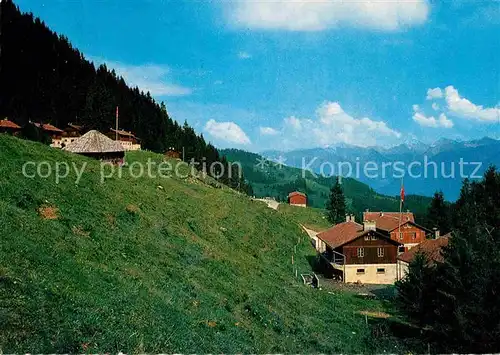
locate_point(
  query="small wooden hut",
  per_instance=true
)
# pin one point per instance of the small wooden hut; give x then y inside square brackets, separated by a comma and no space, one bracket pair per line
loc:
[96,145]
[172,154]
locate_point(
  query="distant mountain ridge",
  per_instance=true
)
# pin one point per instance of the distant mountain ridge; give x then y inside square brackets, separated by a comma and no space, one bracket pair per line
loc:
[269,178]
[443,159]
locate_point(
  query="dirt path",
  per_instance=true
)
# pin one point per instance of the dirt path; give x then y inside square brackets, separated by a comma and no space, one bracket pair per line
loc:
[310,232]
[270,203]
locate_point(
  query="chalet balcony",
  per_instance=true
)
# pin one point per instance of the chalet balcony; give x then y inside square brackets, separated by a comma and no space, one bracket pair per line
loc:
[335,259]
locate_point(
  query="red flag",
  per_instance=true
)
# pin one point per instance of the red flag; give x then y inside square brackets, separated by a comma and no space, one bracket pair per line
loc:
[402,194]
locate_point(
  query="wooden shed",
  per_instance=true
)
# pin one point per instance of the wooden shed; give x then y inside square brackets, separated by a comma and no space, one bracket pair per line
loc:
[297,199]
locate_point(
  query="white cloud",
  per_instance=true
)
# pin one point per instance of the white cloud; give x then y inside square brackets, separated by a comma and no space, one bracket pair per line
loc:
[244,55]
[431,121]
[448,101]
[268,131]
[435,93]
[147,77]
[293,122]
[227,131]
[333,125]
[461,107]
[316,15]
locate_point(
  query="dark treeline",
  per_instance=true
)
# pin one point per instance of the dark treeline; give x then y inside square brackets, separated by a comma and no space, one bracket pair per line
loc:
[44,79]
[457,301]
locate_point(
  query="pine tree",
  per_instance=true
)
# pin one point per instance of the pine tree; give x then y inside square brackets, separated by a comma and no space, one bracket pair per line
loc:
[336,206]
[438,213]
[414,288]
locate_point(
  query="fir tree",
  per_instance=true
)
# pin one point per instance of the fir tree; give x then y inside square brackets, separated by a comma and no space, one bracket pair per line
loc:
[336,206]
[414,287]
[438,214]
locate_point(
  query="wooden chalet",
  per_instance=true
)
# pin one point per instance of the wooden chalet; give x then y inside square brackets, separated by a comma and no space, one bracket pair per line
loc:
[401,227]
[71,133]
[9,127]
[297,198]
[357,252]
[431,248]
[127,139]
[52,131]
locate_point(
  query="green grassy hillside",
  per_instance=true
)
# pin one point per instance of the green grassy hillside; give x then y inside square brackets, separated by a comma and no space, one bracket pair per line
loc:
[313,218]
[277,181]
[157,265]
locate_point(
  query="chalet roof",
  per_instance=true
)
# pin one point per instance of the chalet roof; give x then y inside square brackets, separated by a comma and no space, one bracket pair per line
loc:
[94,142]
[5,123]
[74,126]
[296,193]
[431,248]
[48,127]
[388,221]
[341,233]
[346,232]
[123,133]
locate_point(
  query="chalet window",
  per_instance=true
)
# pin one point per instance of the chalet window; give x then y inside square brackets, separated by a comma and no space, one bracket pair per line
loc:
[360,271]
[401,249]
[381,271]
[380,252]
[361,252]
[401,235]
[367,237]
[374,237]
[413,235]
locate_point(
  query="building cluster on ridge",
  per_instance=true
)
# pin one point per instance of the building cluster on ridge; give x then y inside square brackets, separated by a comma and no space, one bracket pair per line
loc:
[378,250]
[62,138]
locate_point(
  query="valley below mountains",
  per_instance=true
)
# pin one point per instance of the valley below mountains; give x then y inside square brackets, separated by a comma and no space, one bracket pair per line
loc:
[426,168]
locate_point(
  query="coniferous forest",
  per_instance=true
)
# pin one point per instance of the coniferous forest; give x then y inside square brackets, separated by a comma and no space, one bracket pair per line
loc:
[44,79]
[456,301]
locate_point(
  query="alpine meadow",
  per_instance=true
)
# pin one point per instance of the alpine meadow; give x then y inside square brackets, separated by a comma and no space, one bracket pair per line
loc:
[249,177]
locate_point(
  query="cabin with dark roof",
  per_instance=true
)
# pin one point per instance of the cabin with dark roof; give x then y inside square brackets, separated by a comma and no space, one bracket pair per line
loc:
[358,252]
[171,153]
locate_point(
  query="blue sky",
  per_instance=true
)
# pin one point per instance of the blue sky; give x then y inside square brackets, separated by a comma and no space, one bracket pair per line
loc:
[295,74]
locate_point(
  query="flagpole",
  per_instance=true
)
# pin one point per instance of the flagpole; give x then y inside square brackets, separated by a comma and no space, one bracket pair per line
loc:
[116,126]
[400,208]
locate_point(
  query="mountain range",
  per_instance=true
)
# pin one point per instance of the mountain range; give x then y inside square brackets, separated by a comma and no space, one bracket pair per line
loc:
[422,168]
